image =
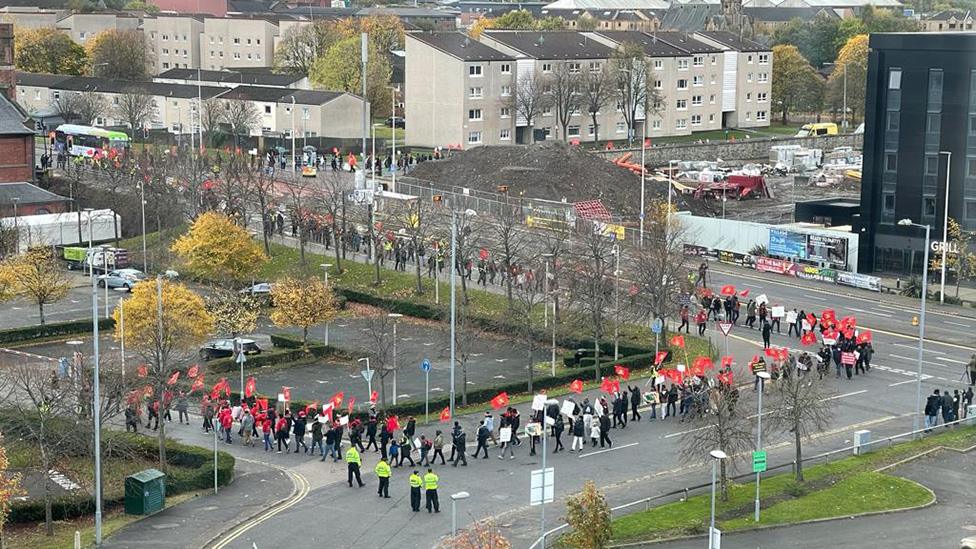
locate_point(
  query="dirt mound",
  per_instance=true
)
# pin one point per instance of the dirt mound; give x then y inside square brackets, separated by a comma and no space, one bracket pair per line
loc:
[551,170]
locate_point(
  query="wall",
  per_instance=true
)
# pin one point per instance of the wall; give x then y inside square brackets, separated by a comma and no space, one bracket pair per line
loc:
[16,158]
[743,149]
[436,88]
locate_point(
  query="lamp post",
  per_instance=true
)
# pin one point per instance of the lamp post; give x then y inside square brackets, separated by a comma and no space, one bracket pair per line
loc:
[91,260]
[945,225]
[616,302]
[363,58]
[325,268]
[104,249]
[453,269]
[393,164]
[717,456]
[294,167]
[96,408]
[643,175]
[763,376]
[396,320]
[547,290]
[921,320]
[671,163]
[142,201]
[454,500]
[15,200]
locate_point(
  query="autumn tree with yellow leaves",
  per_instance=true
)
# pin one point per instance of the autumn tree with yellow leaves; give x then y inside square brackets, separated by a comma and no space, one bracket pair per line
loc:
[233,313]
[35,276]
[218,250]
[165,322]
[302,303]
[589,516]
[9,488]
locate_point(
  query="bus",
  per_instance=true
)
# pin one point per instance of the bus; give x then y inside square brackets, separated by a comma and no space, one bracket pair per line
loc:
[87,140]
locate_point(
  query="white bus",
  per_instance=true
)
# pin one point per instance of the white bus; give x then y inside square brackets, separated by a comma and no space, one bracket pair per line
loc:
[87,140]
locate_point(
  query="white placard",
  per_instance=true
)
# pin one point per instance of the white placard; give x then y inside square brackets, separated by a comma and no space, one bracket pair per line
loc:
[344,420]
[550,420]
[761,298]
[778,311]
[505,434]
[568,407]
[533,429]
[539,402]
[806,325]
[681,367]
[416,443]
[791,317]
[281,397]
[659,380]
[323,419]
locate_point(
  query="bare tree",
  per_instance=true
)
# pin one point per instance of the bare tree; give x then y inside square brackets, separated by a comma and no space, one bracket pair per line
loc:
[528,99]
[260,183]
[509,233]
[660,264]
[331,198]
[565,94]
[66,105]
[91,105]
[636,93]
[415,220]
[379,347]
[212,115]
[242,117]
[801,407]
[599,90]
[720,429]
[530,295]
[468,239]
[136,109]
[301,193]
[591,283]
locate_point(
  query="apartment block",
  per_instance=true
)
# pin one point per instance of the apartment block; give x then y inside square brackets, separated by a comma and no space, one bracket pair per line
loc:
[235,42]
[174,40]
[28,17]
[747,79]
[82,27]
[230,79]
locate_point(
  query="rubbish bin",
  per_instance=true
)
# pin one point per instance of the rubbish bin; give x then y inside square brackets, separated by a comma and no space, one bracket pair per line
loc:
[145,492]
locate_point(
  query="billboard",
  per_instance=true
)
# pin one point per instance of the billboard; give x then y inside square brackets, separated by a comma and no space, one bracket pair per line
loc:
[787,244]
[809,247]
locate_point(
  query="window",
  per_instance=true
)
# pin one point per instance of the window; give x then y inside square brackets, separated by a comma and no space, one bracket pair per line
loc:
[211,54]
[547,131]
[590,130]
[237,41]
[475,92]
[698,61]
[711,119]
[970,167]
[237,55]
[696,101]
[891,162]
[748,116]
[474,71]
[574,68]
[248,41]
[257,41]
[761,97]
[165,65]
[714,60]
[760,116]
[763,58]
[220,39]
[505,112]
[258,57]
[749,77]
[696,120]
[594,67]
[658,64]
[681,104]
[933,122]
[658,85]
[698,80]
[165,51]
[931,165]
[504,134]
[748,97]
[749,59]
[681,123]
[970,209]
[711,99]
[547,67]
[621,127]
[546,111]
[506,68]
[248,55]
[712,80]
[165,37]
[763,77]
[220,54]
[267,109]
[211,39]
[888,202]
[573,131]
[81,35]
[506,90]
[928,206]
[474,115]
[682,64]
[682,84]
[972,125]
[474,137]
[655,124]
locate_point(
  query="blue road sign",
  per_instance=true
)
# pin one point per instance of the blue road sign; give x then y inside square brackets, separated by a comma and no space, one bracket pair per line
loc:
[425,365]
[657,325]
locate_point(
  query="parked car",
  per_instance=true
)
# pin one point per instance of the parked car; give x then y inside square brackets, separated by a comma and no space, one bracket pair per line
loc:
[398,121]
[223,348]
[261,291]
[121,278]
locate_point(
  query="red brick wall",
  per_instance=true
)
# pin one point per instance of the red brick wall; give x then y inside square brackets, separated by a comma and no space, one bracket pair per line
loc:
[213,7]
[16,159]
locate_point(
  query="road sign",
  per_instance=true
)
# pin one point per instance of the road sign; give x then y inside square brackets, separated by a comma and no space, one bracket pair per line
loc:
[657,326]
[367,375]
[725,328]
[241,358]
[716,539]
[425,365]
[759,461]
[541,487]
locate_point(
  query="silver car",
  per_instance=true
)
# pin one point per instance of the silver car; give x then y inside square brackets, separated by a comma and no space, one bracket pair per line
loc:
[121,278]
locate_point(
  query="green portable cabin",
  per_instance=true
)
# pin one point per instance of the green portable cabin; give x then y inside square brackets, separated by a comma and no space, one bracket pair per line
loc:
[145,492]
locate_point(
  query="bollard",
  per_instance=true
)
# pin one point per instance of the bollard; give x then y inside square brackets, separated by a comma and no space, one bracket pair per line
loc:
[77,539]
[862,442]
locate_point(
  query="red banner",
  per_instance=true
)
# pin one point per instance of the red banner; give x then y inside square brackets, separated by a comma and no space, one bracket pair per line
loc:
[773,265]
[499,401]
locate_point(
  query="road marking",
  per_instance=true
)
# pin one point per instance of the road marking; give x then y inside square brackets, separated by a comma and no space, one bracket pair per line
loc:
[608,450]
[901,357]
[916,347]
[835,397]
[886,315]
[902,382]
[816,297]
[499,376]
[428,344]
[887,308]
[952,360]
[301,490]
[436,390]
[958,324]
[751,285]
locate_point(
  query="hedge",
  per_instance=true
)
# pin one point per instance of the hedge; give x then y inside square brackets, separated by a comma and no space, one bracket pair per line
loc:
[29,333]
[191,468]
[287,349]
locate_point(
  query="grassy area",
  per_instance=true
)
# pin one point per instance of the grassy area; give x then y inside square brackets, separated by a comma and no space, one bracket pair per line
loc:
[836,489]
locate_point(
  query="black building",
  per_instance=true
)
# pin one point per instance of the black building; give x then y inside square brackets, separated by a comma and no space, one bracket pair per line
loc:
[920,121]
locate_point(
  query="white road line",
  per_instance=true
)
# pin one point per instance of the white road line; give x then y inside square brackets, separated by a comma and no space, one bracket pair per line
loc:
[887,308]
[952,360]
[960,324]
[751,285]
[933,351]
[686,432]
[901,382]
[886,315]
[816,297]
[835,397]
[901,357]
[609,450]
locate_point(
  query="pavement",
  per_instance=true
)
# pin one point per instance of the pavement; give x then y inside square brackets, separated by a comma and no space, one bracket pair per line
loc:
[949,474]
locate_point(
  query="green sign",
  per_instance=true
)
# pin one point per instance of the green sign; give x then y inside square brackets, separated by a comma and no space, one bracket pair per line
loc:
[759,461]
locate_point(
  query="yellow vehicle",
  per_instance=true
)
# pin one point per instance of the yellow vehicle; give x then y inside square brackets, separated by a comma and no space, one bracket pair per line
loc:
[823,128]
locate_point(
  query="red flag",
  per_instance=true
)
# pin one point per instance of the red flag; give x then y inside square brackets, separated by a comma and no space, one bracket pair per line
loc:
[808,338]
[287,392]
[771,352]
[848,333]
[167,397]
[483,254]
[610,386]
[678,341]
[848,322]
[446,414]
[133,397]
[659,357]
[576,386]
[812,319]
[703,363]
[828,314]
[706,292]
[142,370]
[830,334]
[193,371]
[727,361]
[725,378]
[864,337]
[336,399]
[173,378]
[250,386]
[744,293]
[352,400]
[647,142]
[621,371]
[500,400]
[313,406]
[217,388]
[784,353]
[728,290]
[197,385]
[374,396]
[262,404]
[392,424]
[147,391]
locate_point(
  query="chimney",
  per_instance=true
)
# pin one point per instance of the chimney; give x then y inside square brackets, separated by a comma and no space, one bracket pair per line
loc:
[8,78]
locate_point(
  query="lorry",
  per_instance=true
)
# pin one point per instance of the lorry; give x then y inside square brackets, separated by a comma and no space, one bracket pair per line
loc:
[98,260]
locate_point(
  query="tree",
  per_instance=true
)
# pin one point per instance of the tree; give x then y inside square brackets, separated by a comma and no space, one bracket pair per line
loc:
[961,261]
[9,488]
[598,91]
[852,68]
[340,70]
[218,250]
[302,45]
[635,84]
[661,263]
[719,429]
[801,407]
[331,198]
[136,109]
[67,106]
[234,313]
[564,89]
[212,115]
[141,5]
[48,50]
[257,182]
[529,295]
[815,39]
[164,324]
[242,117]
[414,220]
[586,23]
[379,347]
[589,516]
[385,31]
[302,303]
[796,85]
[529,99]
[591,283]
[483,534]
[90,105]
[120,54]
[511,241]
[38,277]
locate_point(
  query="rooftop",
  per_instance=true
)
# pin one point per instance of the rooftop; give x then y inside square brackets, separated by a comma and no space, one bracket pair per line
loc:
[685,42]
[732,41]
[232,77]
[27,193]
[610,4]
[13,120]
[459,45]
[551,44]
[311,97]
[652,46]
[259,93]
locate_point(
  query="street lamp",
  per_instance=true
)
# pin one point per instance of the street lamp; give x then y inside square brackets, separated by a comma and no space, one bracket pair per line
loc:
[763,377]
[454,500]
[453,269]
[91,260]
[325,267]
[616,301]
[369,378]
[294,167]
[393,164]
[921,323]
[104,248]
[142,201]
[96,408]
[945,225]
[547,257]
[717,456]
[643,175]
[396,319]
[15,200]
